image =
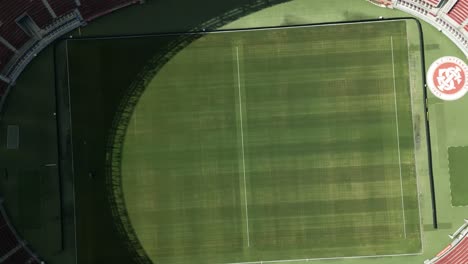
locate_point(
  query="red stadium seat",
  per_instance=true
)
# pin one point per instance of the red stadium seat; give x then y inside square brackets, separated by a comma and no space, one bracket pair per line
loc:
[457,255]
[459,12]
[91,9]
[12,250]
[62,7]
[21,256]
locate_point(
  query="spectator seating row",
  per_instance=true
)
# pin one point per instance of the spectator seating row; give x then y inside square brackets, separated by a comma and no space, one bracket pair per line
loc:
[438,19]
[5,55]
[456,255]
[423,3]
[22,256]
[11,11]
[14,34]
[45,14]
[62,7]
[456,34]
[459,12]
[91,9]
[37,11]
[457,251]
[433,2]
[3,87]
[8,242]
[415,6]
[12,249]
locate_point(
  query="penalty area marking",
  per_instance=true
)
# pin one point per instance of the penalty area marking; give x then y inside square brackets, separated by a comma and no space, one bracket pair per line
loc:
[332,258]
[398,137]
[242,144]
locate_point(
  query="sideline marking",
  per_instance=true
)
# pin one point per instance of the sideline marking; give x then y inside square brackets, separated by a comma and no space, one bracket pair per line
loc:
[398,138]
[242,144]
[71,144]
[243,30]
[332,258]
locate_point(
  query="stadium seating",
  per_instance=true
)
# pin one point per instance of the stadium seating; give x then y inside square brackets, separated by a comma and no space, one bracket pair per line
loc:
[12,249]
[5,55]
[3,88]
[8,241]
[62,7]
[52,18]
[14,35]
[22,256]
[457,255]
[91,9]
[433,2]
[10,11]
[459,12]
[37,11]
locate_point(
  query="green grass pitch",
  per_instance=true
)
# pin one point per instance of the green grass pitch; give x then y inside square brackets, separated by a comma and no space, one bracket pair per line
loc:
[458,180]
[279,144]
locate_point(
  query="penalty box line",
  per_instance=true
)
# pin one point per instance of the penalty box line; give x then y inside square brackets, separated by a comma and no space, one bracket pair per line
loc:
[331,258]
[398,138]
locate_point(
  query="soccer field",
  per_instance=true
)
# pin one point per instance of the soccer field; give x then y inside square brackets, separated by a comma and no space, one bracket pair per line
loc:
[279,144]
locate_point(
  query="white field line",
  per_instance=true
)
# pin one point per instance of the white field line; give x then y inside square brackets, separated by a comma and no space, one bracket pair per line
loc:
[242,144]
[418,187]
[332,258]
[71,144]
[398,138]
[228,30]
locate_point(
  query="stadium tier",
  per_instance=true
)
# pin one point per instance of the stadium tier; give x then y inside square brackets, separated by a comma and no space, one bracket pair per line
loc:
[22,256]
[5,55]
[12,33]
[91,9]
[12,249]
[455,255]
[61,7]
[433,2]
[459,12]
[36,10]
[8,241]
[26,27]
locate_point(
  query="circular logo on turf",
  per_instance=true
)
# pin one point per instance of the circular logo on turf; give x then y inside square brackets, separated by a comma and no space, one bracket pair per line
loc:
[446,78]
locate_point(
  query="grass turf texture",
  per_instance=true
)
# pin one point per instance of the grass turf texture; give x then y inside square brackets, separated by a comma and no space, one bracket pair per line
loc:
[276,144]
[458,177]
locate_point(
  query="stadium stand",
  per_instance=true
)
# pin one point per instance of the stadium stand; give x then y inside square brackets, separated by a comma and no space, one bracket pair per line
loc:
[91,9]
[459,12]
[434,2]
[12,249]
[28,26]
[449,17]
[3,88]
[36,10]
[457,251]
[5,55]
[13,34]
[22,256]
[62,7]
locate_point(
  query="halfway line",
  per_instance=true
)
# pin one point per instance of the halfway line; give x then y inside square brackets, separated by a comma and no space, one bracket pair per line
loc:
[242,144]
[398,137]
